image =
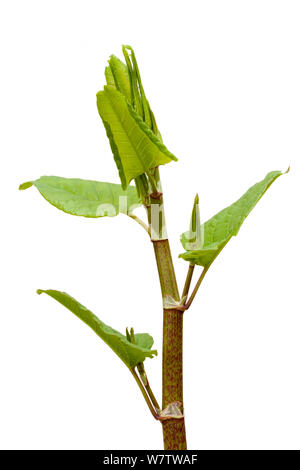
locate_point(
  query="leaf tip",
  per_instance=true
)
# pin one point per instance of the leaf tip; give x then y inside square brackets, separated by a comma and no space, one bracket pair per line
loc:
[25,185]
[39,291]
[288,170]
[98,94]
[126,46]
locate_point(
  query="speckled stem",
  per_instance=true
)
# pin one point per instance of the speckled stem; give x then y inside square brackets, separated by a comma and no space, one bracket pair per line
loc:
[173,429]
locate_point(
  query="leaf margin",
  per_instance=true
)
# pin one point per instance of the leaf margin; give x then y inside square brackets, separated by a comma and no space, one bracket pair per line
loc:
[140,352]
[209,252]
[110,96]
[44,189]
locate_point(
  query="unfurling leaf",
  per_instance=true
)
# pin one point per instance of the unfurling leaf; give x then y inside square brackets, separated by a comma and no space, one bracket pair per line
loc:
[219,229]
[117,75]
[193,238]
[143,340]
[135,147]
[86,198]
[139,100]
[131,354]
[127,80]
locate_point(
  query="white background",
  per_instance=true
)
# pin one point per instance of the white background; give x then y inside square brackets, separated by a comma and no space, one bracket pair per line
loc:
[223,80]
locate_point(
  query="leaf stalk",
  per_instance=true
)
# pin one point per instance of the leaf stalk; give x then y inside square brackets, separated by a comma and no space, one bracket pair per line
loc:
[188,281]
[141,223]
[144,379]
[196,288]
[144,393]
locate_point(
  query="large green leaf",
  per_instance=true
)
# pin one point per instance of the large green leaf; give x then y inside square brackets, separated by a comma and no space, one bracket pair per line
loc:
[131,354]
[86,198]
[135,147]
[219,229]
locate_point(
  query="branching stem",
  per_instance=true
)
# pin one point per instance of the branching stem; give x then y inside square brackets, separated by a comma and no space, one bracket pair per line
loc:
[145,381]
[145,395]
[188,281]
[140,222]
[202,275]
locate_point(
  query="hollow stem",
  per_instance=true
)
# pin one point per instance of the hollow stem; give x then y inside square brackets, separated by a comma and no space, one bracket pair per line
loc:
[173,429]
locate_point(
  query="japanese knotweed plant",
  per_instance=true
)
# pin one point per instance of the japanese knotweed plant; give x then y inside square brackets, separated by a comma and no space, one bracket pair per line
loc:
[138,151]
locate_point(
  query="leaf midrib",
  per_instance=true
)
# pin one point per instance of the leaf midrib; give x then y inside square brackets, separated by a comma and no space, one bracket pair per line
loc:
[73,193]
[126,133]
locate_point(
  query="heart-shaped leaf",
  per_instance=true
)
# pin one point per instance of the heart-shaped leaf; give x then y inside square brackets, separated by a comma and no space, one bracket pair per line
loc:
[86,198]
[219,229]
[135,147]
[131,354]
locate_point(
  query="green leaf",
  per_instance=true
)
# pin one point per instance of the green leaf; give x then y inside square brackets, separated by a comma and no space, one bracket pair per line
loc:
[86,198]
[138,97]
[109,76]
[135,147]
[130,354]
[143,340]
[136,100]
[119,76]
[136,78]
[219,229]
[193,238]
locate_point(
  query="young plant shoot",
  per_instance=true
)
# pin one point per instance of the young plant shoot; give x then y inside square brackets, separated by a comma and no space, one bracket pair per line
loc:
[139,151]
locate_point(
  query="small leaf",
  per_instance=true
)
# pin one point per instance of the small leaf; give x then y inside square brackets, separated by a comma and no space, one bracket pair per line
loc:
[109,76]
[135,147]
[220,228]
[130,354]
[136,79]
[86,198]
[138,97]
[143,340]
[193,238]
[136,100]
[128,335]
[26,185]
[119,73]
